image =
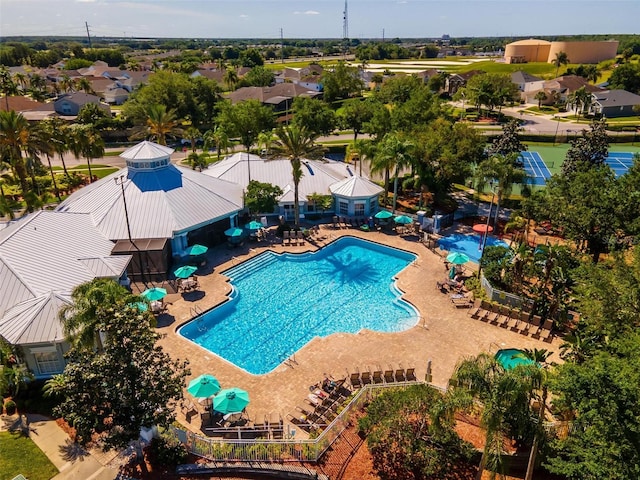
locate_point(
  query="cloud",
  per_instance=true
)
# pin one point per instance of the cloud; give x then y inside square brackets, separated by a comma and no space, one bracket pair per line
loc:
[244,16]
[308,12]
[86,1]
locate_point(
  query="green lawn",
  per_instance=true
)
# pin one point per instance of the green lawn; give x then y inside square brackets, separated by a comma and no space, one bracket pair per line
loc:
[21,455]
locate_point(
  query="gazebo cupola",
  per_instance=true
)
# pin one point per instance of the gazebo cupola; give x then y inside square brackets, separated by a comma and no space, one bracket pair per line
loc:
[147,156]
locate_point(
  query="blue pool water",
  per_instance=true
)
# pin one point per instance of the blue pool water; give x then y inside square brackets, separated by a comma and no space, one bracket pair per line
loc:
[280,302]
[468,244]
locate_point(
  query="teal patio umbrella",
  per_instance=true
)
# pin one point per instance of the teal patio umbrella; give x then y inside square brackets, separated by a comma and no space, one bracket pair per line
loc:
[403,220]
[233,232]
[195,250]
[254,225]
[141,306]
[204,386]
[457,258]
[383,214]
[185,271]
[154,294]
[230,400]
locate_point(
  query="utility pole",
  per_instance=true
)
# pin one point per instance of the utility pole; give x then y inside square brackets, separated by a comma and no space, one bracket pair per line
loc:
[88,35]
[281,46]
[345,28]
[383,35]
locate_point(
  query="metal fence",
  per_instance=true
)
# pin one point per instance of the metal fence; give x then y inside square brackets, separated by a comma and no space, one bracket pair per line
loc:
[288,449]
[504,298]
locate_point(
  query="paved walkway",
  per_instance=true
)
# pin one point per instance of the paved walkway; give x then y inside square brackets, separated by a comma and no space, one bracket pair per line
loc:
[72,461]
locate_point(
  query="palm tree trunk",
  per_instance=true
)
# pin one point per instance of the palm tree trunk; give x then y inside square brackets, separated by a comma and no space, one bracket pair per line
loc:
[386,185]
[90,173]
[395,191]
[64,165]
[296,205]
[53,179]
[483,461]
[534,447]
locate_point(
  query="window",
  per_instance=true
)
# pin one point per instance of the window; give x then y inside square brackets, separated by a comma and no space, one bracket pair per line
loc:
[373,205]
[344,208]
[48,362]
[66,108]
[359,209]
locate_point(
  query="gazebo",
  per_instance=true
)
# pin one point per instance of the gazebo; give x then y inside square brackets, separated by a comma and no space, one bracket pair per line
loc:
[356,196]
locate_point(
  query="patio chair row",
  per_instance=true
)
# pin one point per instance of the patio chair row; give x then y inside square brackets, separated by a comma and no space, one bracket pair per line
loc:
[390,375]
[346,222]
[514,319]
[292,237]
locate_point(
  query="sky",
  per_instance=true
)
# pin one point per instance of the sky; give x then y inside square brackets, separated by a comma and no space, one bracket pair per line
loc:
[317,19]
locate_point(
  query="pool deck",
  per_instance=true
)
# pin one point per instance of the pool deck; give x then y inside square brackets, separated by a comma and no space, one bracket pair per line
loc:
[444,335]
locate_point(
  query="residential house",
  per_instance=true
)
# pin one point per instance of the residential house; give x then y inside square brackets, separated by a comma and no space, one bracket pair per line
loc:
[308,77]
[279,96]
[69,104]
[456,81]
[526,82]
[559,89]
[31,110]
[614,103]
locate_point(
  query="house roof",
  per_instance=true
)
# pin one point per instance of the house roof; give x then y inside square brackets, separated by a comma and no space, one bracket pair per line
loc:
[616,98]
[51,251]
[356,187]
[523,77]
[20,104]
[79,98]
[162,199]
[569,83]
[35,320]
[318,175]
[263,94]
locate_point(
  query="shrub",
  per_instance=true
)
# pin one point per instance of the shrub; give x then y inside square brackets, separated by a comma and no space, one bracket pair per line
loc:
[167,452]
[10,407]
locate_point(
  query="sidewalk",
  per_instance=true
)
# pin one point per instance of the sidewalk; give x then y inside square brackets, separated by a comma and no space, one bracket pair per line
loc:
[72,461]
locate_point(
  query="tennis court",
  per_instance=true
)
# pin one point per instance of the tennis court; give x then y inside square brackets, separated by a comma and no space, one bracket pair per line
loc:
[535,167]
[620,162]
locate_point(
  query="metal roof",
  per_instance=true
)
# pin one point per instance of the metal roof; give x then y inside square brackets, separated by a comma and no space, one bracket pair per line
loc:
[49,252]
[317,175]
[356,187]
[160,202]
[35,320]
[146,151]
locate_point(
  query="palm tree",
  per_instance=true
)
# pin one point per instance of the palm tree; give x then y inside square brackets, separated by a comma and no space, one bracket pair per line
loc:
[83,84]
[5,176]
[362,149]
[560,59]
[231,78]
[66,84]
[7,85]
[296,143]
[540,97]
[21,81]
[503,170]
[18,137]
[58,132]
[87,143]
[92,301]
[160,124]
[265,139]
[504,396]
[217,137]
[192,134]
[393,152]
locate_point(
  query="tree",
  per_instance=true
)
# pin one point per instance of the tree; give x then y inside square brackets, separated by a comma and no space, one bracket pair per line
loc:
[217,137]
[259,77]
[541,96]
[504,171]
[359,151]
[83,319]
[626,77]
[230,78]
[296,143]
[57,131]
[7,85]
[84,85]
[314,115]
[160,124]
[393,153]
[508,142]
[246,120]
[341,82]
[92,114]
[504,396]
[13,374]
[583,205]
[18,138]
[354,114]
[261,197]
[560,59]
[580,100]
[87,143]
[491,90]
[408,439]
[588,151]
[193,135]
[128,384]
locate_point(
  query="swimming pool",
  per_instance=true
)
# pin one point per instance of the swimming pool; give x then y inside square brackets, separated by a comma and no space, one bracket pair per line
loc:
[280,302]
[468,244]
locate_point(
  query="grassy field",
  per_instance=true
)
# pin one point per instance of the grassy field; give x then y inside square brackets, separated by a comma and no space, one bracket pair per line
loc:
[21,455]
[100,171]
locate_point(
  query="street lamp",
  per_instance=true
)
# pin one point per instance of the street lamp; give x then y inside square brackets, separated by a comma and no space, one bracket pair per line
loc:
[486,230]
[121,180]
